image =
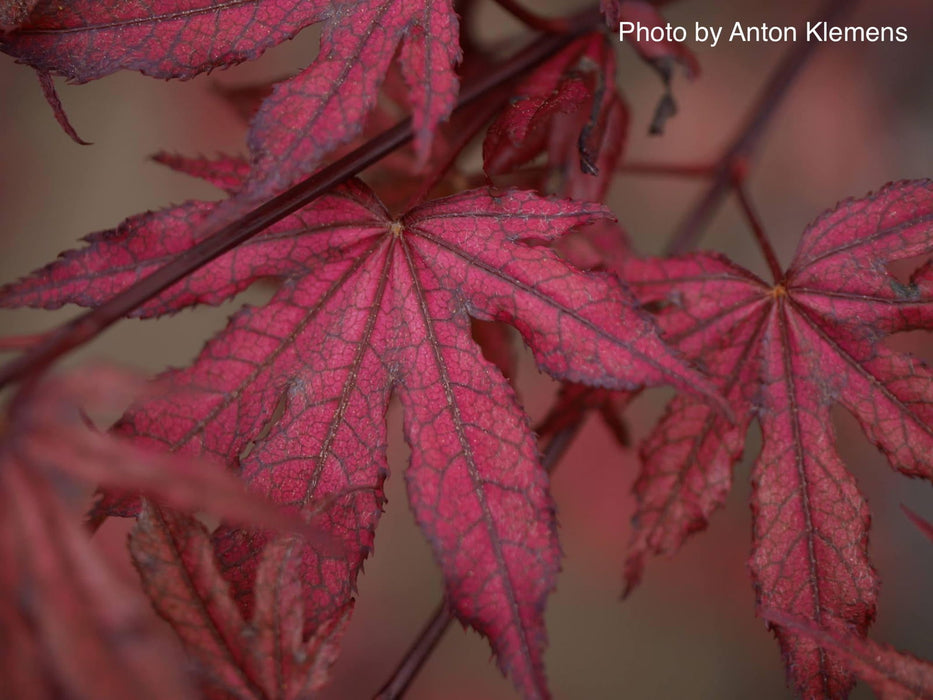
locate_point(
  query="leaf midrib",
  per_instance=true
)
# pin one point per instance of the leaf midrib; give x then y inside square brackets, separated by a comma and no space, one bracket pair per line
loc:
[472,467]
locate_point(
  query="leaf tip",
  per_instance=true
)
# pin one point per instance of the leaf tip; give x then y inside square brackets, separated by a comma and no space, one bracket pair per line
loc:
[924,525]
[51,96]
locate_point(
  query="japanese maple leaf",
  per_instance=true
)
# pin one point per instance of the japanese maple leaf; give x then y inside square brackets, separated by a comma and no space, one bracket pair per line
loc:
[569,108]
[786,353]
[266,657]
[81,631]
[69,626]
[294,394]
[307,115]
[48,431]
[892,674]
[662,55]
[14,12]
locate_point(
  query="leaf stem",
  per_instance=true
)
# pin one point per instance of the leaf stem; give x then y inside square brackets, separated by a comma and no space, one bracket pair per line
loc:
[417,654]
[758,230]
[432,632]
[743,146]
[558,25]
[90,324]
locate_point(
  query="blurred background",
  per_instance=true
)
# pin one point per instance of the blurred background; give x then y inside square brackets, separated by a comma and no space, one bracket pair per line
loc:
[860,115]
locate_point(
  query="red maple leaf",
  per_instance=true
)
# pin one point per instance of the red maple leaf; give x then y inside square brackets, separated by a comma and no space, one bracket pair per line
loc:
[80,630]
[661,55]
[786,353]
[14,12]
[268,656]
[294,394]
[88,39]
[568,107]
[892,674]
[70,626]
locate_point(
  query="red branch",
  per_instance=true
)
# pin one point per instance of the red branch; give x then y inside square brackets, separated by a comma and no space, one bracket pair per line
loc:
[19,342]
[418,653]
[743,146]
[758,231]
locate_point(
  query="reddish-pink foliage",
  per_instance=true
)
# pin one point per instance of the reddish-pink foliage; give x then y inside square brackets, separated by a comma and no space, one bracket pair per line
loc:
[292,396]
[307,115]
[373,304]
[568,108]
[51,96]
[787,352]
[268,656]
[14,12]
[892,674]
[67,619]
[83,628]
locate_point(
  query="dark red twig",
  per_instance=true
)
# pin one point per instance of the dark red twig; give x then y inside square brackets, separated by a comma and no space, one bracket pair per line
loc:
[91,323]
[754,221]
[925,526]
[742,148]
[417,654]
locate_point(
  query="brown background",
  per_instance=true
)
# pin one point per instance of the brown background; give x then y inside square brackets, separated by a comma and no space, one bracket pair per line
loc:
[860,116]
